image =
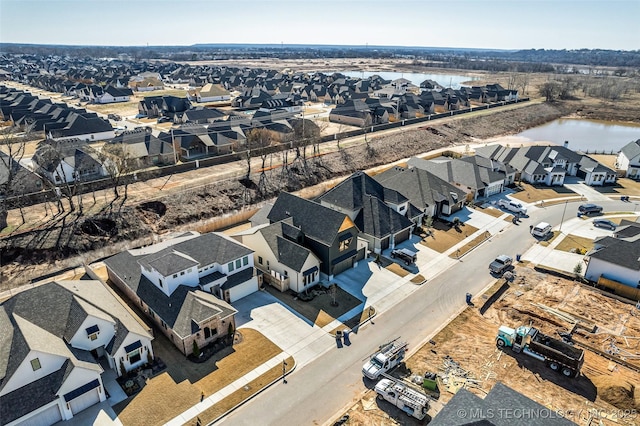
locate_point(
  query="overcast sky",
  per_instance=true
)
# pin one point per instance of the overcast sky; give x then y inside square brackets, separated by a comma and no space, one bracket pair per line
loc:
[503,24]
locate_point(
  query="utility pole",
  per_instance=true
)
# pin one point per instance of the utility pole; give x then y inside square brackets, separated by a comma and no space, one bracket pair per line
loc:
[563,212]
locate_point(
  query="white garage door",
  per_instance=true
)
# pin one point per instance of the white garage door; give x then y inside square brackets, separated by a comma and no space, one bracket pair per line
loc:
[48,417]
[84,401]
[244,289]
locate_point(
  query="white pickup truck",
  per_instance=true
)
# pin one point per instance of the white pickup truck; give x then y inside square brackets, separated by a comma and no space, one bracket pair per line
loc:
[512,206]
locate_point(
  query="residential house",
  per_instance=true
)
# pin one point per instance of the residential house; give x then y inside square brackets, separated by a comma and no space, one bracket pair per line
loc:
[201,115]
[53,338]
[82,126]
[185,285]
[331,235]
[425,191]
[383,216]
[614,259]
[548,165]
[466,174]
[194,141]
[15,179]
[139,149]
[486,412]
[71,160]
[628,160]
[209,93]
[595,173]
[353,113]
[278,252]
[112,94]
[146,82]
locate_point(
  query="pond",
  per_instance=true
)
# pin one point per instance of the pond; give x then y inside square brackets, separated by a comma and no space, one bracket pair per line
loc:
[585,135]
[446,80]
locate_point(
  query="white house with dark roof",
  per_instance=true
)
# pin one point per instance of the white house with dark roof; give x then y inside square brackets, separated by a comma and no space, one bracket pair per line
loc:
[616,258]
[628,159]
[186,284]
[51,339]
[284,262]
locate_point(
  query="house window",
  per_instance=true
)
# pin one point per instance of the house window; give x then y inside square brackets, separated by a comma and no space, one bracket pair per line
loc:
[35,364]
[401,208]
[134,356]
[230,266]
[268,267]
[345,244]
[238,263]
[245,261]
[181,273]
[160,281]
[260,260]
[175,275]
[207,332]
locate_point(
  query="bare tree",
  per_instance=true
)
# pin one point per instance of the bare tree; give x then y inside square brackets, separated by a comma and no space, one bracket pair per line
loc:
[550,90]
[260,139]
[12,150]
[116,160]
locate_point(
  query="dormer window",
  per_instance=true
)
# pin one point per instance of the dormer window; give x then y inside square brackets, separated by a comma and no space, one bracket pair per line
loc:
[92,332]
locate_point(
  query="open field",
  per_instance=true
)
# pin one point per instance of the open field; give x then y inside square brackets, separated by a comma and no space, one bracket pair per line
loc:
[604,385]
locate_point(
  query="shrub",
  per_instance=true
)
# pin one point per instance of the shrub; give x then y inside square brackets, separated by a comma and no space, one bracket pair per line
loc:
[196,349]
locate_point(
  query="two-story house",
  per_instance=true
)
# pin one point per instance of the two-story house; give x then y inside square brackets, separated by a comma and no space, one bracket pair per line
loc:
[383,216]
[628,160]
[286,264]
[52,338]
[331,235]
[186,284]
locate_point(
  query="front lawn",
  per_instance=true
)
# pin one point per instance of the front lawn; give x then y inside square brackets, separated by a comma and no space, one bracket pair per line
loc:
[573,243]
[531,193]
[444,235]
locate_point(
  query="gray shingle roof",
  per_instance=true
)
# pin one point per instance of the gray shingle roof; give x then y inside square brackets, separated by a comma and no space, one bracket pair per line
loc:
[349,194]
[497,408]
[632,149]
[168,262]
[620,252]
[314,220]
[289,253]
[379,220]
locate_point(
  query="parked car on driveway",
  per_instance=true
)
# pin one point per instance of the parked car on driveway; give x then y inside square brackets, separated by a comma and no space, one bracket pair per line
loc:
[590,208]
[604,223]
[406,255]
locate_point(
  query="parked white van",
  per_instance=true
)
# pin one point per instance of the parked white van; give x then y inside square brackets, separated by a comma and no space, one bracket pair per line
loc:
[541,230]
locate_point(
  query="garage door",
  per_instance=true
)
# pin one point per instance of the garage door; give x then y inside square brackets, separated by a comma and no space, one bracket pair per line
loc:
[48,417]
[343,266]
[84,401]
[402,236]
[384,244]
[244,289]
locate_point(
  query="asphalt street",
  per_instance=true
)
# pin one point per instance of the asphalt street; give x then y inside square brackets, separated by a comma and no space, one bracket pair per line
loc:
[322,390]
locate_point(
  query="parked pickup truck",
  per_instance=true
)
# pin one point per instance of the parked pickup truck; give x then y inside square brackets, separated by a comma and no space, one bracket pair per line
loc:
[512,206]
[500,264]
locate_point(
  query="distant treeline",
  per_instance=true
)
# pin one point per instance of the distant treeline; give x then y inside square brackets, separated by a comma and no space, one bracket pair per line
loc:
[532,60]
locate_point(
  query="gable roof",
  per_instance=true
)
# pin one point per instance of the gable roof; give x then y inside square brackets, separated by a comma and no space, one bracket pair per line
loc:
[313,219]
[632,149]
[378,219]
[281,238]
[350,193]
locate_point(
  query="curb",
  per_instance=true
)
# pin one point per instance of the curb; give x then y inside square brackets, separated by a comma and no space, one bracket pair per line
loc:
[240,404]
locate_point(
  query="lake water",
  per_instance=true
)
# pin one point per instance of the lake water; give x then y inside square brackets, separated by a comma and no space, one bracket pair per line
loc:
[446,80]
[585,135]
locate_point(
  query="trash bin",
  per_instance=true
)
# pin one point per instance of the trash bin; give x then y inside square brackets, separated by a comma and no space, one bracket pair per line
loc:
[468,298]
[518,256]
[430,381]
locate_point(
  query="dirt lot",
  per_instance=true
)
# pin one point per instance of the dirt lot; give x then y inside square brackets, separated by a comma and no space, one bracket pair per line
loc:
[469,340]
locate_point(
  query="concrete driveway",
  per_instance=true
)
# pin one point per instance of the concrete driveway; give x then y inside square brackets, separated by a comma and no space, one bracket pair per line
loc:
[290,331]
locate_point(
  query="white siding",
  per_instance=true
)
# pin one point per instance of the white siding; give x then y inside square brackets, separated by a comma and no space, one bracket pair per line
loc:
[24,374]
[598,267]
[82,341]
[121,355]
[244,289]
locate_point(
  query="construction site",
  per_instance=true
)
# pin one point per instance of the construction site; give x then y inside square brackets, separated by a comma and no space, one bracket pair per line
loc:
[603,329]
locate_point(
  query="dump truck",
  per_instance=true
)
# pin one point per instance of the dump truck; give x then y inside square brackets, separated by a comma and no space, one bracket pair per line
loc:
[387,357]
[409,400]
[556,354]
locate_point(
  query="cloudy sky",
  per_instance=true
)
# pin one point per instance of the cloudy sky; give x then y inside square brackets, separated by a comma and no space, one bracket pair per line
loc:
[497,24]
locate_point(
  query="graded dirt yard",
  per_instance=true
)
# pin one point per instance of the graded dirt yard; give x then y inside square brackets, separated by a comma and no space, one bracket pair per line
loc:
[604,385]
